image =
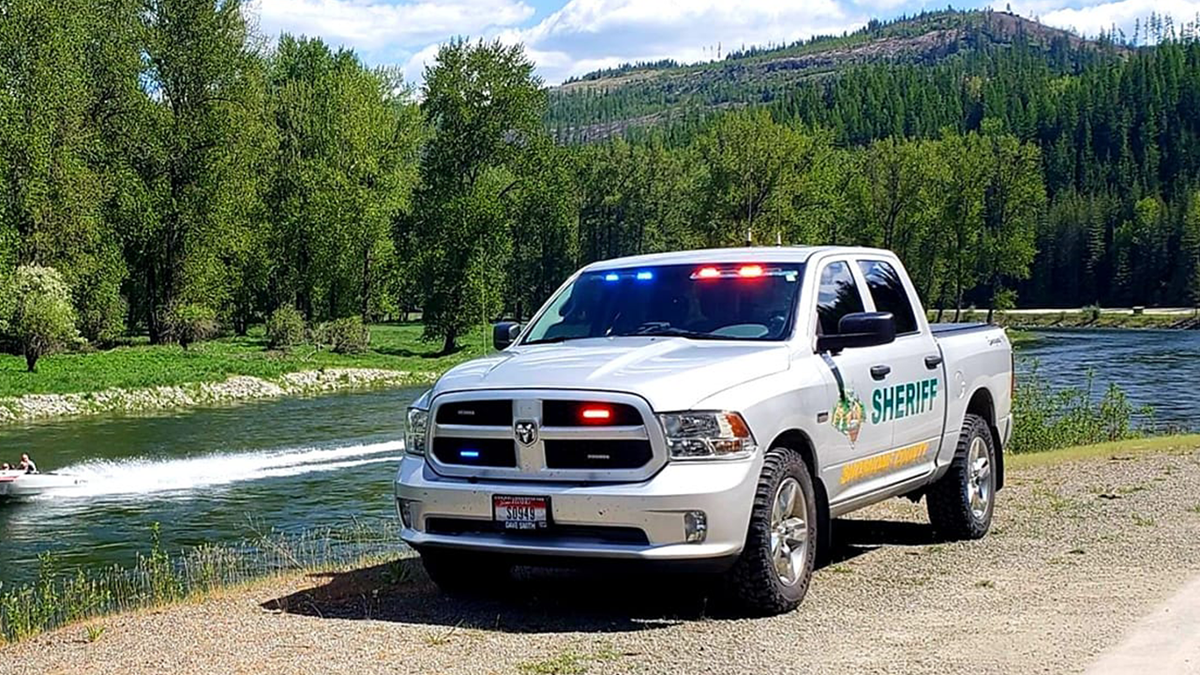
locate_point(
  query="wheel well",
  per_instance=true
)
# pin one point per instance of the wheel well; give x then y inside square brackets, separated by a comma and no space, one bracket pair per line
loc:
[799,441]
[981,404]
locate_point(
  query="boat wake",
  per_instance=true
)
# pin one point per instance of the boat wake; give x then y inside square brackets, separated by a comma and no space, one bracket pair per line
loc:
[147,476]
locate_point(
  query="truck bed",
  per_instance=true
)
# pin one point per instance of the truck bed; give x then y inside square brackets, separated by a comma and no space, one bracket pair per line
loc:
[940,329]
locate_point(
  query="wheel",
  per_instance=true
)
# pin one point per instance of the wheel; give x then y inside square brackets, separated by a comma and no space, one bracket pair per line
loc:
[961,502]
[456,571]
[772,573]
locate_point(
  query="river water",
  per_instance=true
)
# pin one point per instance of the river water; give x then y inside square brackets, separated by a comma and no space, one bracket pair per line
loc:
[226,474]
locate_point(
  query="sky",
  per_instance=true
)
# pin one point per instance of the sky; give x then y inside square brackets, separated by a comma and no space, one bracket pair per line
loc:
[573,37]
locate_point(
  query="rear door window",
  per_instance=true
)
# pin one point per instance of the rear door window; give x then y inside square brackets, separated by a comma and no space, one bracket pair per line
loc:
[837,296]
[887,290]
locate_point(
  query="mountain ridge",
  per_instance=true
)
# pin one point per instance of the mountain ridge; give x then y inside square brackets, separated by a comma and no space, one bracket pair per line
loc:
[758,75]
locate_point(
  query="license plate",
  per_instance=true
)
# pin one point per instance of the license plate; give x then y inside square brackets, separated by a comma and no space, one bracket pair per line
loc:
[521,513]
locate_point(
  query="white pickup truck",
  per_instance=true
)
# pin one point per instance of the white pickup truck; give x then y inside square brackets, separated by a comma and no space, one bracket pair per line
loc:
[711,409]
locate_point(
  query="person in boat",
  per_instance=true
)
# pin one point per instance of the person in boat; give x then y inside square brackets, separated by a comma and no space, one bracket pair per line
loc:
[5,467]
[27,465]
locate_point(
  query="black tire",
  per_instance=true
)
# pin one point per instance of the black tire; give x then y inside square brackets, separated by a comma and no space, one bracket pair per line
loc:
[753,586]
[466,572]
[949,499]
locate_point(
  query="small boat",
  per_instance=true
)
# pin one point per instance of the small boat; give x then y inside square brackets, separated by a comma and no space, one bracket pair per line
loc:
[17,484]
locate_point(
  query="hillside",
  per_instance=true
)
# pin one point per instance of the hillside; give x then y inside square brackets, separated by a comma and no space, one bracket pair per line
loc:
[604,103]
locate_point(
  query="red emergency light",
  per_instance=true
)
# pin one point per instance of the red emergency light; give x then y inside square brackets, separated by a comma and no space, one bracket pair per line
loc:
[595,414]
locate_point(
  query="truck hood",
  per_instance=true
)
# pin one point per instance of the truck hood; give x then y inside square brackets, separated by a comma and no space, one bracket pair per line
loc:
[670,373]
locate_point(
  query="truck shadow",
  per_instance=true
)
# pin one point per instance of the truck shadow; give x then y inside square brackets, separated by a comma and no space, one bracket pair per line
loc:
[611,598]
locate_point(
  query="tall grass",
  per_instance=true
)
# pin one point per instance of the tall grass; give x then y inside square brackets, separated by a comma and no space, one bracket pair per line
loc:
[58,597]
[1047,418]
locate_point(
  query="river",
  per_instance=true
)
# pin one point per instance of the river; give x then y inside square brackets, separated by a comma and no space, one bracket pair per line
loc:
[225,474]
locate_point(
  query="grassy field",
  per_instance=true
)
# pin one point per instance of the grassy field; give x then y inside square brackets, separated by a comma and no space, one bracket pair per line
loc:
[1080,318]
[393,347]
[1116,449]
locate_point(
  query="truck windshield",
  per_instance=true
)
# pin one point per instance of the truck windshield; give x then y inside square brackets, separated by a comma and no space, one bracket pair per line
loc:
[727,301]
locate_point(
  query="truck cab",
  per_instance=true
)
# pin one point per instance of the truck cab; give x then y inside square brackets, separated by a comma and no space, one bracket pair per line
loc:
[706,409]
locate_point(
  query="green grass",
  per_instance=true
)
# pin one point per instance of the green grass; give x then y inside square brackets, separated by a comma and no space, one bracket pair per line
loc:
[569,662]
[393,347]
[1075,318]
[1104,451]
[60,597]
[1022,337]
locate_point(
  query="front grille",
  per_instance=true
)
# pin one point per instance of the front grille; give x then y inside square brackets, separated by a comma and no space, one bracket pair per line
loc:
[597,454]
[491,413]
[570,414]
[591,533]
[544,435]
[475,451]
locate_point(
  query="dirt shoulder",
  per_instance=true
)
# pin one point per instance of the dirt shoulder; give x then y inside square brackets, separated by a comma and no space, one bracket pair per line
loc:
[1080,552]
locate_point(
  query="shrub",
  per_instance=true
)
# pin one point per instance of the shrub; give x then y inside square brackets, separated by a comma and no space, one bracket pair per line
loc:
[39,316]
[1047,418]
[191,322]
[346,336]
[1006,299]
[285,328]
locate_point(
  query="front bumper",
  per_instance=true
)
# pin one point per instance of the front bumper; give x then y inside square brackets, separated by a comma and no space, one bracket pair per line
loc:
[724,491]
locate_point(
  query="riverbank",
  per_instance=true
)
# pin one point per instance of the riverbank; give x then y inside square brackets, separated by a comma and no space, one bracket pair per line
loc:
[1179,318]
[145,378]
[236,389]
[1060,579]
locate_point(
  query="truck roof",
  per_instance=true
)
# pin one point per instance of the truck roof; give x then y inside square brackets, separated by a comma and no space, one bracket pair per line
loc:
[779,254]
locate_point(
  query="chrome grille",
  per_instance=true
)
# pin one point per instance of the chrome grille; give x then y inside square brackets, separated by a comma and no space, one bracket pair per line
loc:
[547,438]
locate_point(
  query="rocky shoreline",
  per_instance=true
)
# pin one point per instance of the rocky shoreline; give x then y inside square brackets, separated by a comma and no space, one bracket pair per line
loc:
[39,407]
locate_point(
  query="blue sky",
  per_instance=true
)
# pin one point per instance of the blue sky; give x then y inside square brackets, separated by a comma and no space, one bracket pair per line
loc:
[571,37]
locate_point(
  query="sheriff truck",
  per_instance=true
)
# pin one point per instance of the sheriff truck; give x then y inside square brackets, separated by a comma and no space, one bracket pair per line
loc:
[709,410]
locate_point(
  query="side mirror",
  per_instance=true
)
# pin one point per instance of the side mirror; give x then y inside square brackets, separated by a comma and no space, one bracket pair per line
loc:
[861,329]
[505,333]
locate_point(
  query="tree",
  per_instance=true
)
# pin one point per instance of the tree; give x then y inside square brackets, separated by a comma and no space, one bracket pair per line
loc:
[52,191]
[753,167]
[1190,245]
[894,192]
[41,320]
[484,107]
[960,215]
[1013,200]
[204,133]
[542,220]
[346,163]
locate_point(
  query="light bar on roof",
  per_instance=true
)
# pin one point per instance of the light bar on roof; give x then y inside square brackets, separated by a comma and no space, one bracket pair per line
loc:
[748,271]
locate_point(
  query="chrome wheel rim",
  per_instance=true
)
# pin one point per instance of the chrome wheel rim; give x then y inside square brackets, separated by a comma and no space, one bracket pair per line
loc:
[979,478]
[789,532]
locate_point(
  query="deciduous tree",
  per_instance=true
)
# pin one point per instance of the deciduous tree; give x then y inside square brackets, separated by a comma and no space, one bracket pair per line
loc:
[484,107]
[41,319]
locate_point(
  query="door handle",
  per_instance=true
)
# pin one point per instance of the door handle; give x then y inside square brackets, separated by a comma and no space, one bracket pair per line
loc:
[880,372]
[933,361]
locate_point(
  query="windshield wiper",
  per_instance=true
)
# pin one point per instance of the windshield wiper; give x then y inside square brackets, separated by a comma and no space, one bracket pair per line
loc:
[555,339]
[658,330]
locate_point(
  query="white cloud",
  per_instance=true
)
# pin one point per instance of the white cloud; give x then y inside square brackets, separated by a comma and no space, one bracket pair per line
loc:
[414,70]
[1091,19]
[380,26]
[588,34]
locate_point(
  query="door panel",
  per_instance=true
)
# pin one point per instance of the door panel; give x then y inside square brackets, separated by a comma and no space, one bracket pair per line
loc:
[912,396]
[850,439]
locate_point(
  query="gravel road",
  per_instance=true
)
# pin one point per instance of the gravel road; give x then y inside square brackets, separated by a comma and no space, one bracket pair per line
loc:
[1078,553]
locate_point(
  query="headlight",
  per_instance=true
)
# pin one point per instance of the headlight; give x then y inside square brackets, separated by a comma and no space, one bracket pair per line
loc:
[707,435]
[416,431]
